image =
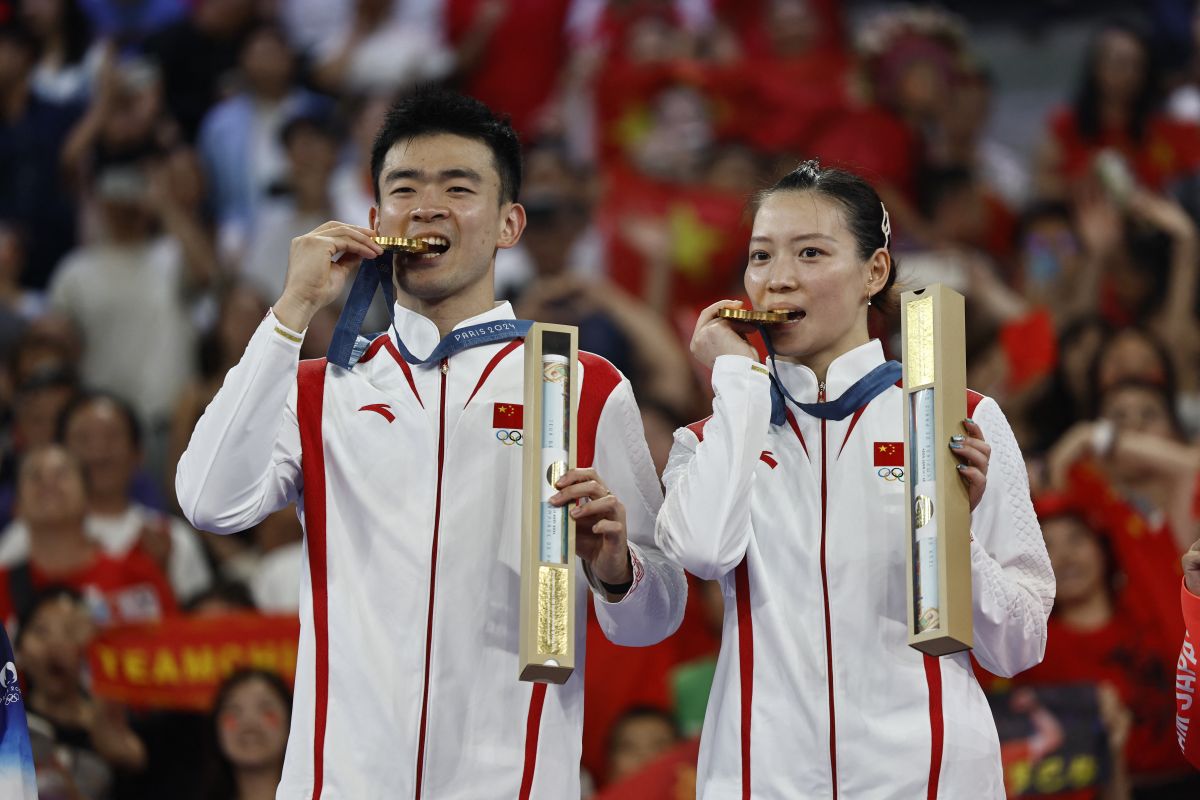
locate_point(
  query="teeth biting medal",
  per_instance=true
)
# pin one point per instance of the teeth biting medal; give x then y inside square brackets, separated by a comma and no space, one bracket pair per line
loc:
[750,315]
[399,244]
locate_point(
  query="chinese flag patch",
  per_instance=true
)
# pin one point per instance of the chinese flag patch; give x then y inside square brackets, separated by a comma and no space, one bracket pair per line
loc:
[889,454]
[508,415]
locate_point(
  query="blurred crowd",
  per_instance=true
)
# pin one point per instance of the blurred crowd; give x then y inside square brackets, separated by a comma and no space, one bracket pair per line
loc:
[158,156]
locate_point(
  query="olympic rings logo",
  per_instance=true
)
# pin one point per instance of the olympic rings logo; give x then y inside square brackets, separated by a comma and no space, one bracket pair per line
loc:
[508,438]
[890,474]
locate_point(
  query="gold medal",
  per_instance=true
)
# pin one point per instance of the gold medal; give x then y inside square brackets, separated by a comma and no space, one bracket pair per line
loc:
[749,315]
[398,244]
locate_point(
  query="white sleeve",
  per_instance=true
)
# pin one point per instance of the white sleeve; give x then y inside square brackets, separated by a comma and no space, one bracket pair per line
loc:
[1011,580]
[243,460]
[653,607]
[705,520]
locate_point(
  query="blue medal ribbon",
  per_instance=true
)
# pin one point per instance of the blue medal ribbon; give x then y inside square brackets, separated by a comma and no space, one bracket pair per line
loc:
[347,346]
[864,390]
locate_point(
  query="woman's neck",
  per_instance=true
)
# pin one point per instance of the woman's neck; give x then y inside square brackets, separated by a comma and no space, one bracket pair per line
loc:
[1114,114]
[1087,613]
[258,783]
[60,547]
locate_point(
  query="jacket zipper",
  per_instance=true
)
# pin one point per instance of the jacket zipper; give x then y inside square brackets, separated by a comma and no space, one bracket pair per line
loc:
[437,521]
[825,594]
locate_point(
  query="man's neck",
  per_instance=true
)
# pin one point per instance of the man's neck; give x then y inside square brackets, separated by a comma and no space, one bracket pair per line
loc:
[60,547]
[447,312]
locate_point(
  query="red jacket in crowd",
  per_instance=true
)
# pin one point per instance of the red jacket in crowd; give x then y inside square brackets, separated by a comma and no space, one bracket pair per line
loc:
[1185,680]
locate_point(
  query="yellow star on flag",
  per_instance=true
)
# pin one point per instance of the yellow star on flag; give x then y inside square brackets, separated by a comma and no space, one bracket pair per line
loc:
[633,126]
[692,242]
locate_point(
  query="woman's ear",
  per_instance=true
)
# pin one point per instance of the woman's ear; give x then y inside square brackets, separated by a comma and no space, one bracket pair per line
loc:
[878,268]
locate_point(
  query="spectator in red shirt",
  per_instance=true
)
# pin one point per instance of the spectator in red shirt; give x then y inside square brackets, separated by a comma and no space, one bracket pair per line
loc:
[52,501]
[1117,108]
[639,735]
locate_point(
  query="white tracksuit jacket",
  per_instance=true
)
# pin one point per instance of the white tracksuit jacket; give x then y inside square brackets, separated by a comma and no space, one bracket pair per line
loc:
[406,683]
[817,693]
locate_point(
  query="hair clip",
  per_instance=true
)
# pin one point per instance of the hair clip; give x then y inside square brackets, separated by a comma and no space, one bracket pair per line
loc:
[886,226]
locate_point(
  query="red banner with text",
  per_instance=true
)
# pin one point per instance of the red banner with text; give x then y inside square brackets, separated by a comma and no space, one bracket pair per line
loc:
[180,663]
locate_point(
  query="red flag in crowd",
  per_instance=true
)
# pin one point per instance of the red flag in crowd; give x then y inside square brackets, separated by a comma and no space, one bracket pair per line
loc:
[706,243]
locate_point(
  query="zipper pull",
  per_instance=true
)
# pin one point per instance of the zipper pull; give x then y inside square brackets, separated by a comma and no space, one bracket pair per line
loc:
[445,365]
[821,392]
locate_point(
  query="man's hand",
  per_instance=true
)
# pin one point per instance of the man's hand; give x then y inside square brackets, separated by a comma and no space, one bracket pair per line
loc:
[600,536]
[1191,568]
[314,279]
[716,337]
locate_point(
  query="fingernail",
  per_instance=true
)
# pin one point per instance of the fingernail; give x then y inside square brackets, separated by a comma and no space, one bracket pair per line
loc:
[961,467]
[958,437]
[969,421]
[575,512]
[956,446]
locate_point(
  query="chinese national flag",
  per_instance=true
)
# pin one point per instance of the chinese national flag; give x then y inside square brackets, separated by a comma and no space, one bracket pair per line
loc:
[889,454]
[508,415]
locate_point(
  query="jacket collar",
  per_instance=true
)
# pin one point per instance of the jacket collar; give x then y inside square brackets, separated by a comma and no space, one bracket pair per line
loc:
[421,336]
[843,372]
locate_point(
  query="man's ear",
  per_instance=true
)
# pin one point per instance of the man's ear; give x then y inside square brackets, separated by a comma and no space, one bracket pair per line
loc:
[514,225]
[373,219]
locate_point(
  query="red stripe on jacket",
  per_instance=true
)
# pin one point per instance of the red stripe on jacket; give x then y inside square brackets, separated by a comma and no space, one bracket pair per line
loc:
[310,399]
[384,340]
[937,725]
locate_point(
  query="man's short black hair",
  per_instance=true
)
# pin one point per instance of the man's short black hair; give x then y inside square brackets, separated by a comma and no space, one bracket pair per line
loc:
[429,111]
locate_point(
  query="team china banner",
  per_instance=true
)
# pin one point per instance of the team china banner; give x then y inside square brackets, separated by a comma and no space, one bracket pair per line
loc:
[179,664]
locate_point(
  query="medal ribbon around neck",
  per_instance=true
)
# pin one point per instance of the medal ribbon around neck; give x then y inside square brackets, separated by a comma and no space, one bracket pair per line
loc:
[347,346]
[864,390]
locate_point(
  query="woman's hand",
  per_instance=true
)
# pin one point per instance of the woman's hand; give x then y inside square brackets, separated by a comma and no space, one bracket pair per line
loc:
[715,337]
[974,452]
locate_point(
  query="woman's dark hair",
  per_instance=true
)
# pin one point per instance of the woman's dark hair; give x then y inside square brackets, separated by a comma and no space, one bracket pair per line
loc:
[76,30]
[429,111]
[865,213]
[27,610]
[1087,97]
[1058,407]
[82,401]
[1167,381]
[219,782]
